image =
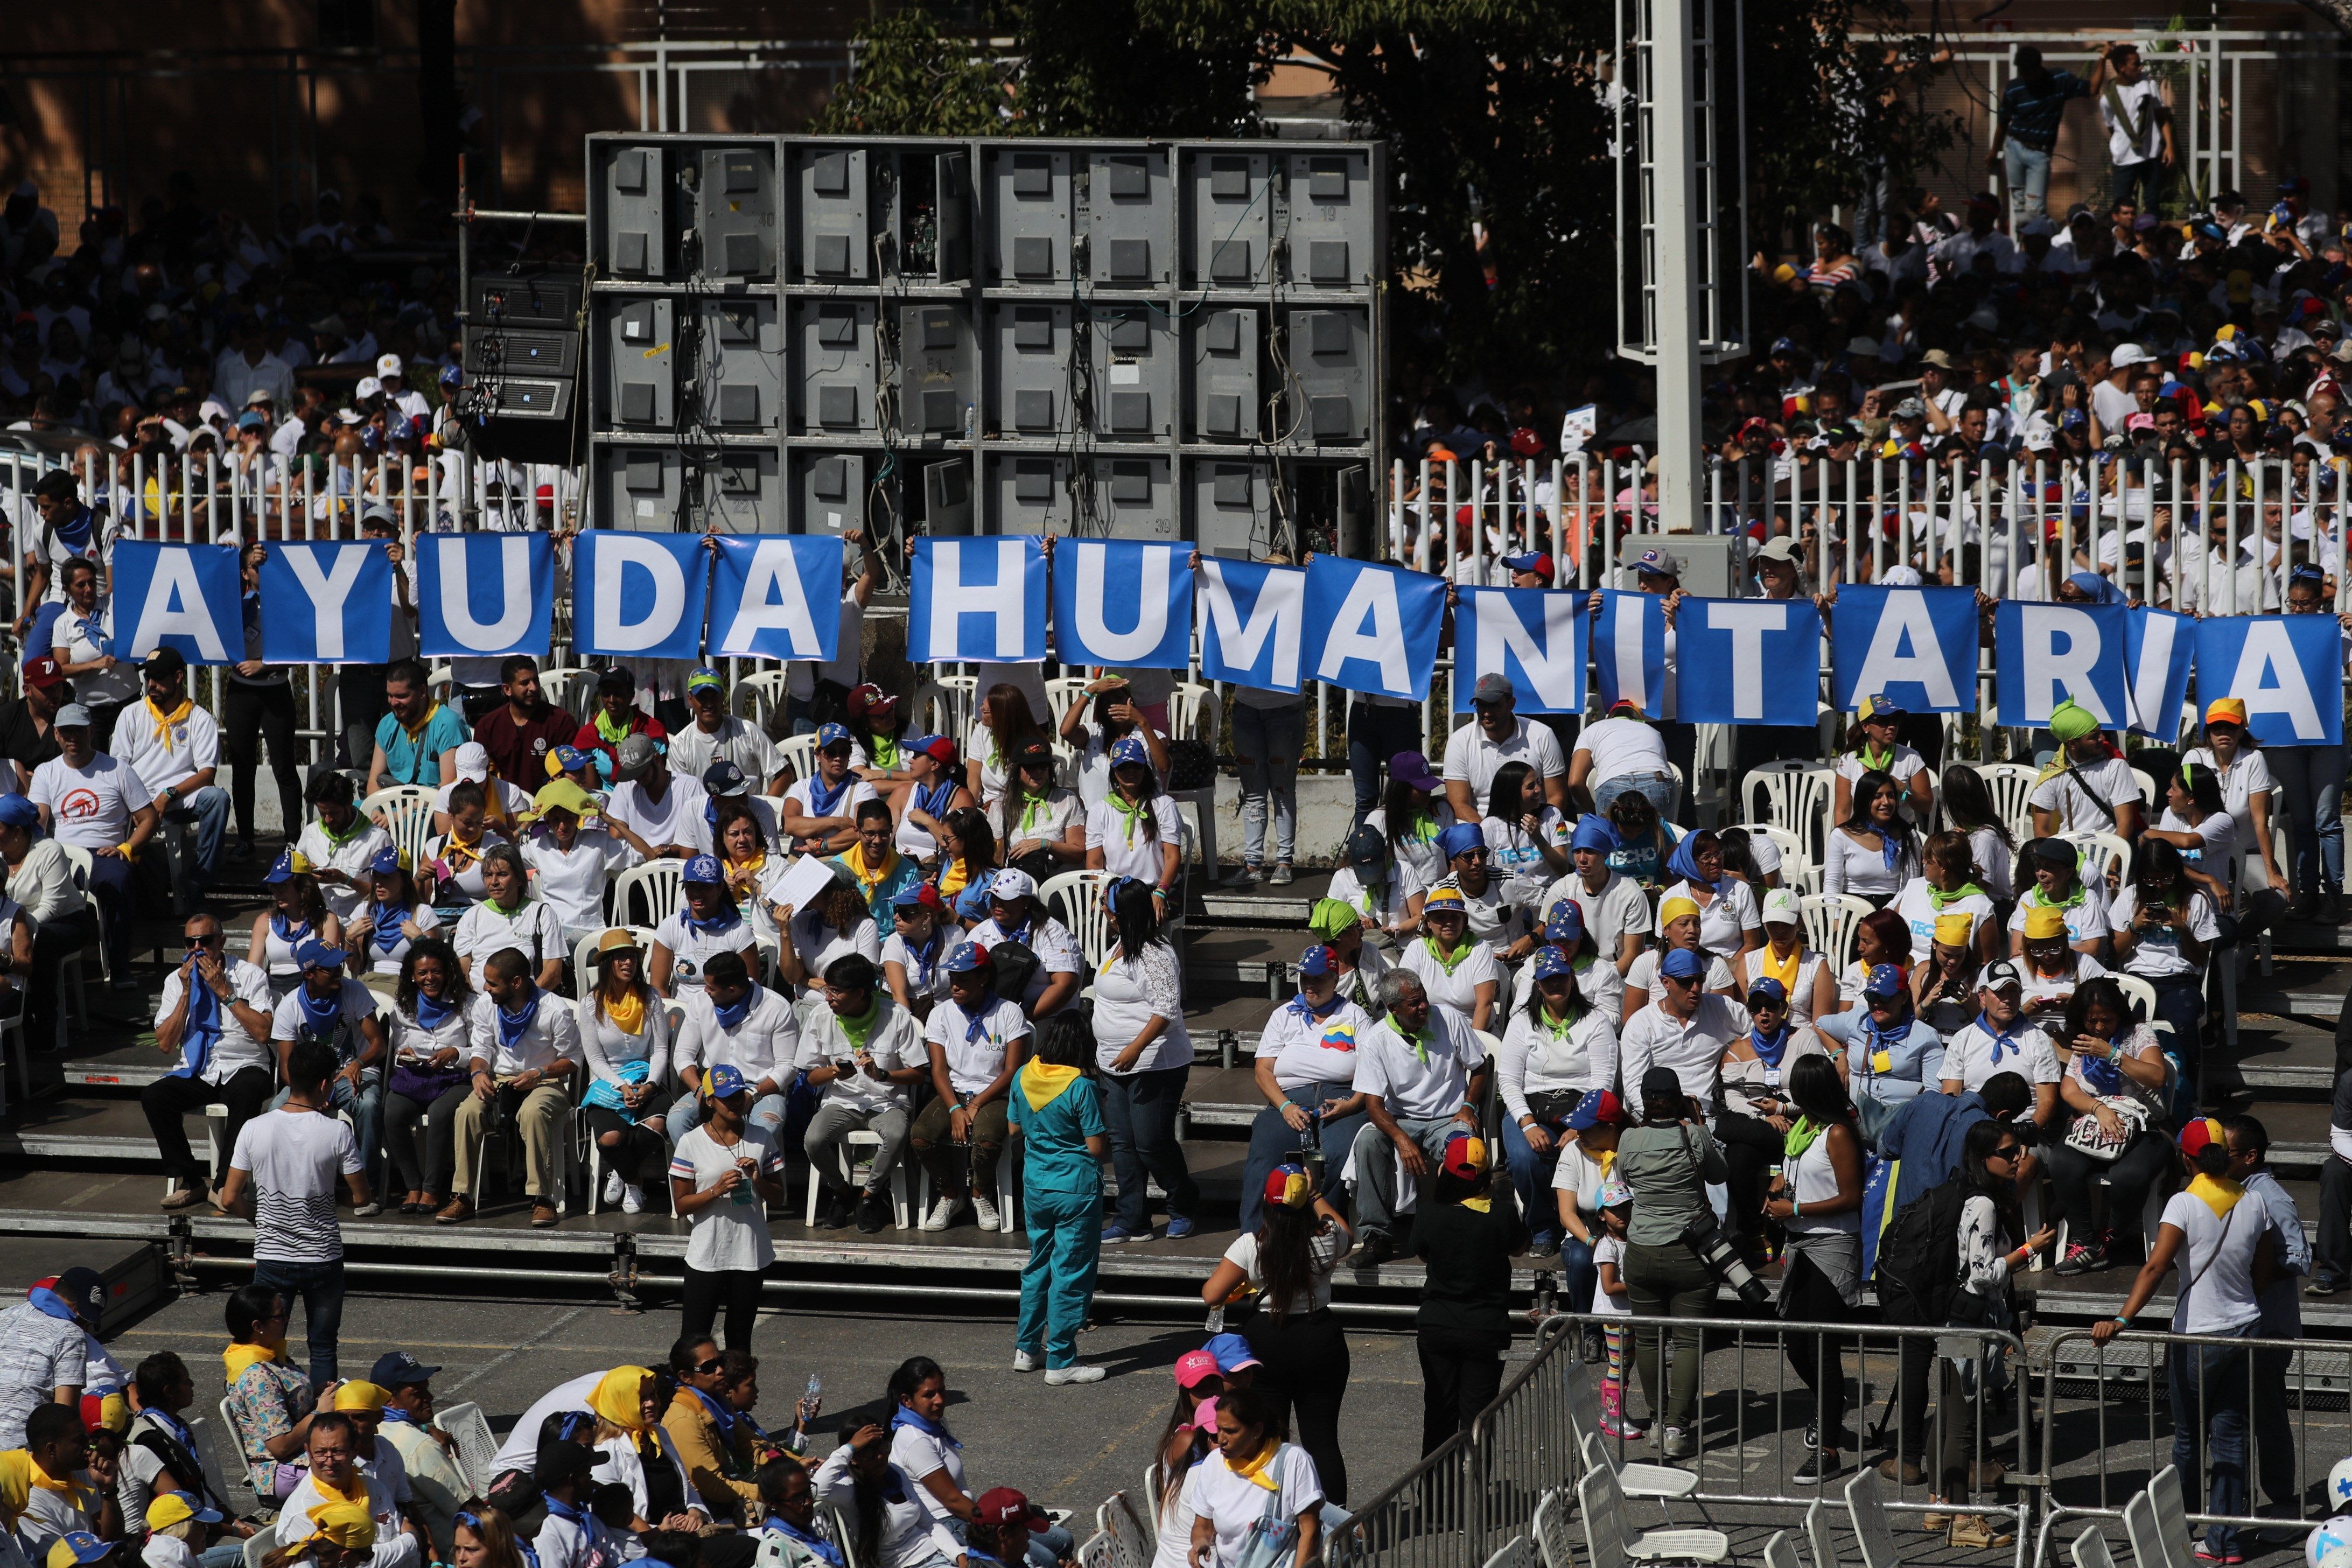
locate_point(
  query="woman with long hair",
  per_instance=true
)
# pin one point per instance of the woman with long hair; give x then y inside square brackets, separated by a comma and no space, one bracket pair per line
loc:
[1949,883]
[1253,1474]
[339,844]
[297,914]
[508,916]
[1969,808]
[1007,724]
[2163,928]
[1645,841]
[935,792]
[2118,1080]
[967,851]
[1283,1268]
[1108,715]
[1142,1058]
[2248,791]
[1879,937]
[431,1045]
[1872,852]
[1189,1437]
[390,920]
[1056,1111]
[1818,1202]
[836,923]
[920,1444]
[1758,1106]
[1042,825]
[1873,747]
[1412,814]
[454,859]
[889,1525]
[2194,823]
[747,860]
[1559,1048]
[1134,831]
[1527,837]
[625,1034]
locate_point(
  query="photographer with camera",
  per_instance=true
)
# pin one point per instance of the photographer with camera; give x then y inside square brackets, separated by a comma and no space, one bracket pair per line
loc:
[1668,1162]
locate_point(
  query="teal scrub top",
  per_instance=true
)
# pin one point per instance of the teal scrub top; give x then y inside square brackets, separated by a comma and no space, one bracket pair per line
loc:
[1054,1140]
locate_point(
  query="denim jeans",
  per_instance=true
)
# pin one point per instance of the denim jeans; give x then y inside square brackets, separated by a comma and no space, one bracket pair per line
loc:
[1139,1113]
[1579,1277]
[366,1107]
[686,1113]
[2311,781]
[1273,1140]
[1532,1175]
[2214,1377]
[2026,171]
[1374,735]
[1266,743]
[208,809]
[2140,183]
[320,1286]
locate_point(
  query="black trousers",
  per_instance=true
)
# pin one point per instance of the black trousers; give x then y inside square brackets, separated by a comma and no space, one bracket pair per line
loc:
[251,715]
[2331,1249]
[2145,1161]
[406,1123]
[359,693]
[167,1099]
[1751,1148]
[1305,1372]
[1461,1373]
[642,1155]
[735,1289]
[53,942]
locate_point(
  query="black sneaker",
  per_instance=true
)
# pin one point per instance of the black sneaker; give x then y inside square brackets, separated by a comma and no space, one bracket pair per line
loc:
[1812,1436]
[1373,1250]
[2323,1285]
[831,1210]
[1819,1466]
[874,1213]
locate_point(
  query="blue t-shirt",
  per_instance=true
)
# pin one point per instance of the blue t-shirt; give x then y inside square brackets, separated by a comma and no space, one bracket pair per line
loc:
[1054,1152]
[413,762]
[2031,110]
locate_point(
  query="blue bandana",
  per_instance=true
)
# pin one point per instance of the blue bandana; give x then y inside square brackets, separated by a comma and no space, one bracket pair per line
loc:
[387,929]
[432,1015]
[718,924]
[724,1417]
[906,1417]
[287,932]
[2002,1039]
[319,1017]
[513,1026]
[1684,863]
[2105,1075]
[1770,1051]
[731,1016]
[203,1030]
[49,1304]
[822,801]
[819,1547]
[74,532]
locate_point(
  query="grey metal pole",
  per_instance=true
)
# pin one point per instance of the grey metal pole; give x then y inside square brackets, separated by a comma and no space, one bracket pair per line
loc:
[1674,171]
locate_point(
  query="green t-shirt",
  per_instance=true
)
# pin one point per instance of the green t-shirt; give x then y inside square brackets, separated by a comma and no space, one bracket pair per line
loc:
[1054,1140]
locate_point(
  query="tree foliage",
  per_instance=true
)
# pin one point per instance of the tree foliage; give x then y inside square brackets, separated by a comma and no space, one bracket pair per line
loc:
[1496,113]
[913,80]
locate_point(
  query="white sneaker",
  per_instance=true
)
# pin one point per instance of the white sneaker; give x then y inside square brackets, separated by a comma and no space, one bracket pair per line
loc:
[1074,1373]
[1023,1362]
[984,1210]
[633,1198]
[613,1185]
[943,1211]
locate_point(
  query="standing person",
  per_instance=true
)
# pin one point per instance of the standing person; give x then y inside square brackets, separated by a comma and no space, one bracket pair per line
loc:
[2032,106]
[2139,127]
[722,1176]
[282,1175]
[1286,1263]
[525,1044]
[1464,1323]
[1143,1056]
[2311,790]
[175,748]
[82,643]
[2227,1259]
[2281,1309]
[257,709]
[1422,1073]
[1668,1162]
[339,1012]
[1058,1114]
[1269,737]
[359,687]
[1819,1204]
[1253,1479]
[213,1014]
[94,802]
[2245,774]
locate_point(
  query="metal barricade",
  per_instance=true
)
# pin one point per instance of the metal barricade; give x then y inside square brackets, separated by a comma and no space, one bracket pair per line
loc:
[2273,1413]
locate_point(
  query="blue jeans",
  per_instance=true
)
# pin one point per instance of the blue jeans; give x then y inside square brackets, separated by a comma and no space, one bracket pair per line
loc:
[684,1114]
[222,1554]
[109,880]
[366,1107]
[2210,1398]
[1579,1277]
[2311,780]
[2141,183]
[1374,735]
[1267,743]
[1273,1140]
[320,1286]
[1532,1175]
[1058,1283]
[2026,171]
[208,809]
[1138,1112]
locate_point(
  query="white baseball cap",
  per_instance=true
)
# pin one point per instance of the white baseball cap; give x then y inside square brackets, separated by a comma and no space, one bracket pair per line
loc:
[473,762]
[1782,907]
[389,364]
[2128,355]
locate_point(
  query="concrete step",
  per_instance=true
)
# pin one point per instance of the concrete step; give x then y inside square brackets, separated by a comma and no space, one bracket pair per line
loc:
[2276,1056]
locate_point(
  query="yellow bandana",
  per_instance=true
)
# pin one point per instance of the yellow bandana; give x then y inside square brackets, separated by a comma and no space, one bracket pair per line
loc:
[356,1498]
[163,721]
[1786,974]
[628,1015]
[1255,1470]
[350,1525]
[2216,1193]
[415,732]
[615,1397]
[1042,1083]
[237,1358]
[16,1469]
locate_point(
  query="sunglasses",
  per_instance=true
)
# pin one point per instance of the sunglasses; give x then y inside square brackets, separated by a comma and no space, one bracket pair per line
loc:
[1471,855]
[2008,1152]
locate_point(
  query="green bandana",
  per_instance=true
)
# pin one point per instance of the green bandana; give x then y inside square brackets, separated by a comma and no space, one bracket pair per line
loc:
[1801,1137]
[860,1028]
[1938,898]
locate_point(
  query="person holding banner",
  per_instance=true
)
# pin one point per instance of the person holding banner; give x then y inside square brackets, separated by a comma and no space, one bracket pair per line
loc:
[821,811]
[2311,784]
[1116,716]
[1383,892]
[1616,911]
[1476,751]
[81,641]
[508,917]
[1874,749]
[175,748]
[94,802]
[66,531]
[2088,787]
[1269,731]
[818,691]
[416,743]
[1874,850]
[2237,762]
[2058,884]
[1008,723]
[1134,831]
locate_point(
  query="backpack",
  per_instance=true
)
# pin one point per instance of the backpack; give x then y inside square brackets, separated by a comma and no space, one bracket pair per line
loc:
[1919,1258]
[1014,965]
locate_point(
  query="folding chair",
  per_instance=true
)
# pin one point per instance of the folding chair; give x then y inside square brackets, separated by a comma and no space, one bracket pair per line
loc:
[477,1447]
[1551,1531]
[2090,1549]
[1612,1543]
[1517,1553]
[1817,1534]
[1659,1482]
[1865,1505]
[1780,1551]
[2164,1495]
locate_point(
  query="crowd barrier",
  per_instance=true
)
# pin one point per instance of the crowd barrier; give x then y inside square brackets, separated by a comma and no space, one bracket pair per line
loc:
[2102,1432]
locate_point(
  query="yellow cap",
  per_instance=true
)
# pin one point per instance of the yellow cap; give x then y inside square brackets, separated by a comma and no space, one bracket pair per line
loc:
[348,1524]
[1952,930]
[1674,909]
[2041,924]
[361,1394]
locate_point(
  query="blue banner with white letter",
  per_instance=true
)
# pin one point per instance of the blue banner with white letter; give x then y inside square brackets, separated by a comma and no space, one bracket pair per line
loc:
[776,596]
[326,602]
[1915,645]
[1748,661]
[1532,638]
[639,594]
[1374,628]
[1629,653]
[1122,604]
[980,599]
[2287,669]
[2160,648]
[185,597]
[1252,623]
[2046,654]
[484,594]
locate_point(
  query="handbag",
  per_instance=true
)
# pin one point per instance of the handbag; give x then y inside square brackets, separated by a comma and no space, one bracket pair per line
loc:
[1271,1538]
[423,1085]
[1551,1106]
[2086,1136]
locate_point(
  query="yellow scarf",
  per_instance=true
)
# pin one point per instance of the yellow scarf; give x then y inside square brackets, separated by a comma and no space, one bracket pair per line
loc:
[953,879]
[1255,1471]
[40,1477]
[237,1358]
[615,1397]
[16,1469]
[357,1497]
[2216,1193]
[1786,974]
[460,855]
[628,1015]
[1042,1084]
[415,732]
[853,857]
[163,721]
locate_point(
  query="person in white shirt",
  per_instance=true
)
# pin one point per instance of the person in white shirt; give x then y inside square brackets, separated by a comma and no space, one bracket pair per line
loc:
[1142,1058]
[2001,1039]
[570,1535]
[1684,1028]
[739,1022]
[1624,750]
[722,1175]
[1459,973]
[571,858]
[1305,1072]
[1494,735]
[705,924]
[340,844]
[717,736]
[526,1045]
[1422,1072]
[647,800]
[213,1014]
[2139,127]
[2088,787]
[82,641]
[175,748]
[860,1471]
[1558,1046]
[865,1053]
[338,1012]
[1015,913]
[1616,910]
[1134,830]
[333,1449]
[920,938]
[820,815]
[389,919]
[94,802]
[976,1041]
[508,917]
[1252,1476]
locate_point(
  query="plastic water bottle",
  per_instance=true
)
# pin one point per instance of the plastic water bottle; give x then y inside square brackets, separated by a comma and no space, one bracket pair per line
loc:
[816,1389]
[1216,1321]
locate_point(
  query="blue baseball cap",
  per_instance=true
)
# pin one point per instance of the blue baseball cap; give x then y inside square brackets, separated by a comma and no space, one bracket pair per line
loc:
[724,778]
[1599,1105]
[570,759]
[1127,748]
[1566,922]
[965,960]
[703,868]
[1885,981]
[1682,964]
[1315,960]
[319,955]
[1365,847]
[280,869]
[85,1547]
[1768,989]
[832,733]
[1552,964]
[918,896]
[16,811]
[723,1082]
[386,860]
[1460,838]
[396,1367]
[1232,1352]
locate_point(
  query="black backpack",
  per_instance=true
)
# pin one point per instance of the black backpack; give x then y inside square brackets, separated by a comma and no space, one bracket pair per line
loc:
[1014,965]
[1918,1267]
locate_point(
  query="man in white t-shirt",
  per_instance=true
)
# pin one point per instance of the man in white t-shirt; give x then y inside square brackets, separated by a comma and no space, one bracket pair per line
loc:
[1422,1072]
[658,813]
[2139,127]
[175,748]
[340,1013]
[864,1053]
[1999,1041]
[282,1175]
[97,803]
[2096,792]
[714,734]
[1477,751]
[526,1046]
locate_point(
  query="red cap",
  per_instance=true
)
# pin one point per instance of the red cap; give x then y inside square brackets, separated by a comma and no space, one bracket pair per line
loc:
[43,672]
[940,748]
[1003,1506]
[1194,1366]
[871,699]
[1466,1156]
[2201,1134]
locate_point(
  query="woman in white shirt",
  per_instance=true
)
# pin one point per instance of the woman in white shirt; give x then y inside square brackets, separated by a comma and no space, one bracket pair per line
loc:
[2195,823]
[1253,1474]
[1558,1046]
[1757,1113]
[1874,749]
[1007,724]
[1042,825]
[1143,1056]
[937,788]
[508,916]
[624,1036]
[430,1048]
[1527,837]
[1728,921]
[2247,787]
[1134,831]
[722,1175]
[1819,1205]
[1622,752]
[707,921]
[889,1527]
[2164,928]
[455,859]
[746,860]
[1383,890]
[1969,808]
[836,923]
[1093,726]
[388,922]
[1872,851]
[1804,972]
[919,939]
[1412,814]
[1456,972]
[297,914]
[81,642]
[1948,884]
[570,862]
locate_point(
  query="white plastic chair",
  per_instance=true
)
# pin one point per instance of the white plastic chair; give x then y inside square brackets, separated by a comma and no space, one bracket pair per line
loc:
[2138,992]
[1793,852]
[2164,1496]
[257,1548]
[1612,1543]
[406,813]
[2146,1537]
[1660,1482]
[1517,1553]
[1075,899]
[1866,1504]
[1793,796]
[1008,1190]
[556,684]
[207,1448]
[797,754]
[478,1449]
[1060,693]
[1550,1529]
[2090,1549]
[1830,924]
[1193,712]
[441,679]
[1780,1551]
[2103,854]
[1131,1542]
[2149,793]
[662,884]
[78,859]
[2011,785]
[759,695]
[1817,1534]
[849,1172]
[1096,1552]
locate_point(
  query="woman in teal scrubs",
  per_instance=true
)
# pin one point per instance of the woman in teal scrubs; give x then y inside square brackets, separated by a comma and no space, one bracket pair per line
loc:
[1057,1115]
